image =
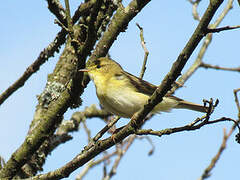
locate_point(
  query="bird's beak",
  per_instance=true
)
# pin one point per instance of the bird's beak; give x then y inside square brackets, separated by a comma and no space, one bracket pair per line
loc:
[83,70]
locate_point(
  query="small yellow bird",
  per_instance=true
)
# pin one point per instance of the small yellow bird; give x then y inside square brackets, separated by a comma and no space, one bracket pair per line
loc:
[123,94]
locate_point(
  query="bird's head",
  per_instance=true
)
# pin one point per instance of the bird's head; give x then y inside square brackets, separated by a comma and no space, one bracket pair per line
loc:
[102,68]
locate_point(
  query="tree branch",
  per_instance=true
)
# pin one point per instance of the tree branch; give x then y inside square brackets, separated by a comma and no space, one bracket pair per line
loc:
[194,9]
[205,65]
[146,52]
[225,28]
[190,127]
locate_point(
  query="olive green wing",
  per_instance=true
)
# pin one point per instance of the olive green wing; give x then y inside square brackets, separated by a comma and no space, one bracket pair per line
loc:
[140,85]
[148,88]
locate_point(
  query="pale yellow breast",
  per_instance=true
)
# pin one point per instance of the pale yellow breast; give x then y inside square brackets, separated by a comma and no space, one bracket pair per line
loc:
[118,98]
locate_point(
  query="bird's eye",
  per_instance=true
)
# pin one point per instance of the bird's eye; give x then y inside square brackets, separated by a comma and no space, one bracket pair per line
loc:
[98,66]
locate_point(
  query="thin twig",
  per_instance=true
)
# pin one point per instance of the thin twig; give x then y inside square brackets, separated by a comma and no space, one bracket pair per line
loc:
[188,127]
[235,91]
[106,128]
[115,164]
[88,132]
[146,52]
[120,153]
[194,9]
[85,170]
[220,18]
[93,163]
[205,65]
[102,132]
[225,28]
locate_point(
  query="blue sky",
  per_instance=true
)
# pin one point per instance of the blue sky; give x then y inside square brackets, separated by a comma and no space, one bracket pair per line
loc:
[27,27]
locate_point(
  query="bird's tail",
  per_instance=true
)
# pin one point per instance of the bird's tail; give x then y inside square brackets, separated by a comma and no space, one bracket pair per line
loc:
[192,106]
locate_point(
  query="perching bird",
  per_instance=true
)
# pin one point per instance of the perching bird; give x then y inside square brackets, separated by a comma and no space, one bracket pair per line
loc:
[123,94]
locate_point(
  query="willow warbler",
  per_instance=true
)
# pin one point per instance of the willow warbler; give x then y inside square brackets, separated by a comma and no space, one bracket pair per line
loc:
[123,94]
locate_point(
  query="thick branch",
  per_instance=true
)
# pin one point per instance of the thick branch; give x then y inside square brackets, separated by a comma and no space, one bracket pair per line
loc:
[60,137]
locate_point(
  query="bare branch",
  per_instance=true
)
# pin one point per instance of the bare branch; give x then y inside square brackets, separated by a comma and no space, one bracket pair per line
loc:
[190,127]
[227,8]
[85,170]
[235,91]
[115,165]
[146,52]
[120,152]
[225,28]
[93,163]
[104,130]
[88,132]
[194,9]
[205,65]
